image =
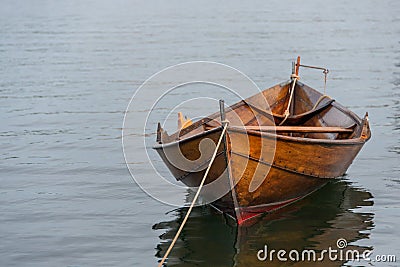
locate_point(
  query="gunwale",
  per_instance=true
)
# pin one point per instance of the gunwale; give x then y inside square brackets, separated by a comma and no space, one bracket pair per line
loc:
[346,141]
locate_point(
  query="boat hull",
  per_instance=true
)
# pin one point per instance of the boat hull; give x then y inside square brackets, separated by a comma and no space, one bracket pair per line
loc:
[285,178]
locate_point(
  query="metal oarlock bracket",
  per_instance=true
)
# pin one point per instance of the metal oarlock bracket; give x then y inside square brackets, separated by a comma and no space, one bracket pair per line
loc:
[324,70]
[297,65]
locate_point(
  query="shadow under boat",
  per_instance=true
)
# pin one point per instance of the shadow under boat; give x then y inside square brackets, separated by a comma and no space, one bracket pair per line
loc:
[316,222]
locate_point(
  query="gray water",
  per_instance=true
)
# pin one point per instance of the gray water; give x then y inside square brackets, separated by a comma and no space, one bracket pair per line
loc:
[68,70]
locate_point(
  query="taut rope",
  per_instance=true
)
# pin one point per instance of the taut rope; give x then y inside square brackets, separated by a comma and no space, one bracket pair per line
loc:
[225,123]
[287,112]
[295,77]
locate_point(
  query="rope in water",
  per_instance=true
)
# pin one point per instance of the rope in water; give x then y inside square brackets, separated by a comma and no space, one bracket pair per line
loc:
[225,123]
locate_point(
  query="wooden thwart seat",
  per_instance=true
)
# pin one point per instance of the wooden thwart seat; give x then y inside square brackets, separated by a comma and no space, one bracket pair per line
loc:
[298,129]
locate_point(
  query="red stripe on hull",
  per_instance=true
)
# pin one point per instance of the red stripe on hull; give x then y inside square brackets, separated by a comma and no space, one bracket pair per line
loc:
[251,212]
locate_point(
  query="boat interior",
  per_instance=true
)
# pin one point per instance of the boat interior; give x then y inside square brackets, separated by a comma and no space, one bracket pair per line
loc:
[285,110]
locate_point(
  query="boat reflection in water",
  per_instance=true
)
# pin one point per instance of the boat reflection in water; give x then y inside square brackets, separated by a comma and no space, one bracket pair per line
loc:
[316,222]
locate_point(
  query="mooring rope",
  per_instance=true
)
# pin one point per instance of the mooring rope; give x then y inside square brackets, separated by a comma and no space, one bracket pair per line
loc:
[287,112]
[196,195]
[296,77]
[319,101]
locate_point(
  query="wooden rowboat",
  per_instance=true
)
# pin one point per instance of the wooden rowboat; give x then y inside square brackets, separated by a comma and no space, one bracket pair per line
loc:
[261,167]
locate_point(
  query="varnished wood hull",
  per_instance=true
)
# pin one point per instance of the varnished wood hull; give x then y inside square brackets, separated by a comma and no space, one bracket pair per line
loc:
[286,180]
[262,171]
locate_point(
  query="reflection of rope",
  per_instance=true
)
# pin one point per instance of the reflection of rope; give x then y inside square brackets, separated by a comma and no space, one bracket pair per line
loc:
[287,112]
[225,123]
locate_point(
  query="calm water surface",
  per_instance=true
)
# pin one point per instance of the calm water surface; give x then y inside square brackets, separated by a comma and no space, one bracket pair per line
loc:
[68,70]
